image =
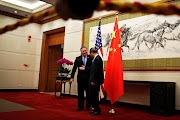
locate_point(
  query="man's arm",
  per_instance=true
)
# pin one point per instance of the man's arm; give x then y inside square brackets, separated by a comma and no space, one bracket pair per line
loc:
[74,68]
[73,71]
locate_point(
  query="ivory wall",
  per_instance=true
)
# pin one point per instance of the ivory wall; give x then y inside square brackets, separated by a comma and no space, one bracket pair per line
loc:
[15,51]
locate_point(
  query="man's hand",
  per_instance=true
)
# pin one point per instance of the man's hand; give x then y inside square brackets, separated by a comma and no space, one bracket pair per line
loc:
[82,68]
[71,80]
[93,84]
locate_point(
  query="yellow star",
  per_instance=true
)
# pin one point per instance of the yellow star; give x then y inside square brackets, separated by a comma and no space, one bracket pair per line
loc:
[114,49]
[111,49]
[119,45]
[114,36]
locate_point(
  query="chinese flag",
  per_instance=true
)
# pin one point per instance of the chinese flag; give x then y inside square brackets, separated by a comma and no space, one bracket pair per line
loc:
[113,83]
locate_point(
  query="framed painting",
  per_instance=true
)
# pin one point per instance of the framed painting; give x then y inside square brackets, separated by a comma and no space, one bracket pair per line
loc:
[149,42]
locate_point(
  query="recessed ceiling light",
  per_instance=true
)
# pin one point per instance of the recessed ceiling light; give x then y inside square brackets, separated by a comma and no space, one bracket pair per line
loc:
[15,11]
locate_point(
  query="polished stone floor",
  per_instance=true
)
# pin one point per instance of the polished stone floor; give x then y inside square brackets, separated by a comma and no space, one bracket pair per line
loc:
[8,106]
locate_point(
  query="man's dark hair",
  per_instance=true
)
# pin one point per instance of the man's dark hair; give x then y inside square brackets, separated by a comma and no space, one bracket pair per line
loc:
[93,50]
[83,47]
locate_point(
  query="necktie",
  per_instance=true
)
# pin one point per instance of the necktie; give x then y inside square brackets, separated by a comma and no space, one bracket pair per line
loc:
[84,61]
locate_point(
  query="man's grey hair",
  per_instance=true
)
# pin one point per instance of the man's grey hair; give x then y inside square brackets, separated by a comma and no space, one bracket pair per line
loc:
[93,50]
[83,47]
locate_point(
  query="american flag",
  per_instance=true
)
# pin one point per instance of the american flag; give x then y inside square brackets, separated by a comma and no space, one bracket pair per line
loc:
[98,46]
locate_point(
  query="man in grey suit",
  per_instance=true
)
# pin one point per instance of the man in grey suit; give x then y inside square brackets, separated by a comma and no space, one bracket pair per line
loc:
[96,79]
[83,63]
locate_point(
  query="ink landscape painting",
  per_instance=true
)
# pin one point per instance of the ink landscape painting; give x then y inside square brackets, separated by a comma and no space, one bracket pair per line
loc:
[146,37]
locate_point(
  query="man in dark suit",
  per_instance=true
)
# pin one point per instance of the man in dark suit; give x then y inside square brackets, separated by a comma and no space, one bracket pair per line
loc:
[96,79]
[83,63]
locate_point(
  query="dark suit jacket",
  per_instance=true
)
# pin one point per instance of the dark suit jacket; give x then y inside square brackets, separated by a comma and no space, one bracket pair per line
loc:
[96,74]
[83,75]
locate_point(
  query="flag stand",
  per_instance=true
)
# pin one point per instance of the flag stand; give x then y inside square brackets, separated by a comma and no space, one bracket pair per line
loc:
[112,110]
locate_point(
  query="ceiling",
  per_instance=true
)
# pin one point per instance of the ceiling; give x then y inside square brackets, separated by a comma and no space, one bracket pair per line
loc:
[24,8]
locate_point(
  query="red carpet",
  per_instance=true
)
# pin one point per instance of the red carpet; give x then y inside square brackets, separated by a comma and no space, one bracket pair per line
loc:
[49,108]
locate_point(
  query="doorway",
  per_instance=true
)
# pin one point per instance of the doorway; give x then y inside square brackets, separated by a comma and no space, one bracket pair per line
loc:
[52,50]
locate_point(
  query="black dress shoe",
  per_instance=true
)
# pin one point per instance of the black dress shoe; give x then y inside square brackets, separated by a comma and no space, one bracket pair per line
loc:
[79,109]
[95,113]
[91,112]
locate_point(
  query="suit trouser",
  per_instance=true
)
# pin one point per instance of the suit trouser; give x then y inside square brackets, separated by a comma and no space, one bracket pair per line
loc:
[83,86]
[94,97]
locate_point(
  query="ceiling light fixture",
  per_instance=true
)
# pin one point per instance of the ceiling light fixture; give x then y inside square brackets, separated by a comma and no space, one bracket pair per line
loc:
[29,4]
[15,11]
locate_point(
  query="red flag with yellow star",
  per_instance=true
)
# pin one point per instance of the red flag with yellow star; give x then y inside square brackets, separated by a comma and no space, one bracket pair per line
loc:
[113,83]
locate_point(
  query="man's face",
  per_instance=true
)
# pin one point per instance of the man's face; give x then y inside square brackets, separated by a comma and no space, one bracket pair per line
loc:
[84,51]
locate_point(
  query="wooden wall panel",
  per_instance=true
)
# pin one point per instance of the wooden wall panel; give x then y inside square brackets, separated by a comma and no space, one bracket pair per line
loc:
[55,39]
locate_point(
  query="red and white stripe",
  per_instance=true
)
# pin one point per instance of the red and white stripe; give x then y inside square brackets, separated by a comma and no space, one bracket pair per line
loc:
[100,53]
[101,92]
